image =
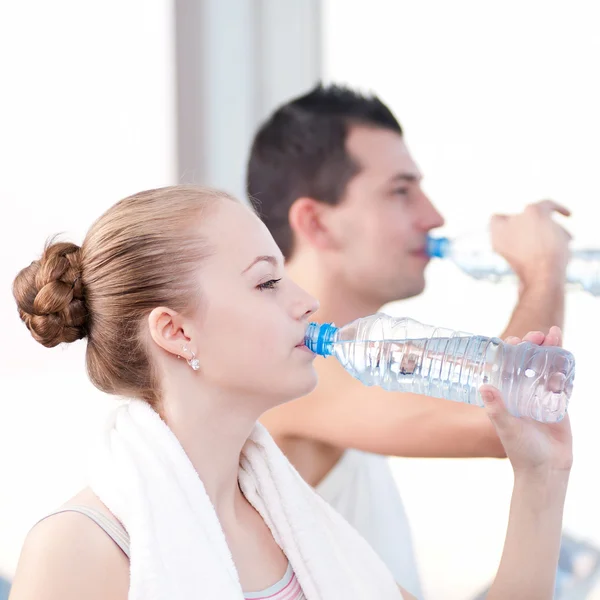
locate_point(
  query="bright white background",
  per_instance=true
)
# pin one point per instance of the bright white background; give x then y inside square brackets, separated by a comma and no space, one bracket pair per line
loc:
[86,118]
[499,103]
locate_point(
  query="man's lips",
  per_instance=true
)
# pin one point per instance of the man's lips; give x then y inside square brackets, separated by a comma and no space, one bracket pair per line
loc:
[420,252]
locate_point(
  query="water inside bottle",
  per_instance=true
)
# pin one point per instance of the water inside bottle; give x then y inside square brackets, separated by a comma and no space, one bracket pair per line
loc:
[456,367]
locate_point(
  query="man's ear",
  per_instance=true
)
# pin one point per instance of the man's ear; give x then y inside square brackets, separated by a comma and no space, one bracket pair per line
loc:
[310,222]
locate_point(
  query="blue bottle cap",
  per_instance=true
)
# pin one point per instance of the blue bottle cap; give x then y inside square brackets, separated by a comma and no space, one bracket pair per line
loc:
[438,247]
[319,338]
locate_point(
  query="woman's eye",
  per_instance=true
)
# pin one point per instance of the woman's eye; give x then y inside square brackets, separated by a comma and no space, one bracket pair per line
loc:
[269,285]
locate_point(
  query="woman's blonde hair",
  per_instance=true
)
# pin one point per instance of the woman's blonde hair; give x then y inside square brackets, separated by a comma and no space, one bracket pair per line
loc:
[142,253]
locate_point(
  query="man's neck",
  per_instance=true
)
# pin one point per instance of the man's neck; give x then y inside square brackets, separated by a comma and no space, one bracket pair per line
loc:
[339,303]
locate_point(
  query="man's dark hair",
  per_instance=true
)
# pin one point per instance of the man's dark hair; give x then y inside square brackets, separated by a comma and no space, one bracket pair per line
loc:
[300,151]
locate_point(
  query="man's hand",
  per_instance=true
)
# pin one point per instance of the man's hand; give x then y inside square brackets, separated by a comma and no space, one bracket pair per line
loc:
[533,243]
[537,249]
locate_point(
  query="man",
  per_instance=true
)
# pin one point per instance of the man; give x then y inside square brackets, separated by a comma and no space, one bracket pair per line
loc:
[333,180]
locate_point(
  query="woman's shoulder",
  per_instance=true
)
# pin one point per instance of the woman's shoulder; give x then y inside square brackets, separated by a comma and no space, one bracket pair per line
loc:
[67,555]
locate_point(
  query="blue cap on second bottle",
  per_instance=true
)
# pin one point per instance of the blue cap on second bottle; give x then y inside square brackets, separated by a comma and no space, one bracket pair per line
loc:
[438,247]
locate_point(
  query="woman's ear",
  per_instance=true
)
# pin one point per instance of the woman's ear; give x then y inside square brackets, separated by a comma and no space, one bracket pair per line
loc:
[167,329]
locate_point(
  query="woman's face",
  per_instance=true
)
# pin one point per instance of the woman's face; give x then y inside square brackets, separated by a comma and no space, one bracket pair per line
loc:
[252,317]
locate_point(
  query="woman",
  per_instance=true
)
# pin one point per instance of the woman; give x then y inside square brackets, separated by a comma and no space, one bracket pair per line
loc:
[183,298]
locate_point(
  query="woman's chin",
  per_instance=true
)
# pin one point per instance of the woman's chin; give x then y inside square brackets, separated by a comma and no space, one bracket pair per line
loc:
[301,385]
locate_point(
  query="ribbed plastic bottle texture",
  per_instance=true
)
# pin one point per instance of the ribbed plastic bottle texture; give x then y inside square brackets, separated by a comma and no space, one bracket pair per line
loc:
[401,354]
[473,254]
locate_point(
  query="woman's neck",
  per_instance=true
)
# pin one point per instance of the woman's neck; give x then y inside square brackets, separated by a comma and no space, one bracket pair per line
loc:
[212,429]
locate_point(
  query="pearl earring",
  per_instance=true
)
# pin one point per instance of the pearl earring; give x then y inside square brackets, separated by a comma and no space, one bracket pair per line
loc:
[193,362]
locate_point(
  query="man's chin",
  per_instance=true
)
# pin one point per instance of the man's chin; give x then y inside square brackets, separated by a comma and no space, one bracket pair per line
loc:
[409,289]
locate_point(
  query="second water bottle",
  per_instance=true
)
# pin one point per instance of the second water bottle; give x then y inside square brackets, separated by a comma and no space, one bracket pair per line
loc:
[473,254]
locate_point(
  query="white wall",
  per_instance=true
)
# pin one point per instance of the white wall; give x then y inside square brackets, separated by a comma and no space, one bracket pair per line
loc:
[87,117]
[499,103]
[237,61]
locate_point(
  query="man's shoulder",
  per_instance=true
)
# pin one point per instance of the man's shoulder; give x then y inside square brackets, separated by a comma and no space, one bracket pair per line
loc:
[312,458]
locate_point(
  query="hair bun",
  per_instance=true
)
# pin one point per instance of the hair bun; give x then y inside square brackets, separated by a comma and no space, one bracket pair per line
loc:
[50,296]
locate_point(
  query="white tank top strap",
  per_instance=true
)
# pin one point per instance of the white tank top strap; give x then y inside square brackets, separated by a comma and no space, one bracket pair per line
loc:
[112,528]
[362,489]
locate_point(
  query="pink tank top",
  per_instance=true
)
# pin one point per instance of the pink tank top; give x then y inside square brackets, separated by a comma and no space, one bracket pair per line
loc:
[287,588]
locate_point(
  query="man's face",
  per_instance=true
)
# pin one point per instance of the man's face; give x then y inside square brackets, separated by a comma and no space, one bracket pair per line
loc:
[382,222]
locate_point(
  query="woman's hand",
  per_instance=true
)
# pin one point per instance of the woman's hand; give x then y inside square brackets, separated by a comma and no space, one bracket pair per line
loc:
[532,447]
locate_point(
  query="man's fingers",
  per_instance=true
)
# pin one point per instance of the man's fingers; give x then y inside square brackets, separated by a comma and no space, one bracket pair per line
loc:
[549,206]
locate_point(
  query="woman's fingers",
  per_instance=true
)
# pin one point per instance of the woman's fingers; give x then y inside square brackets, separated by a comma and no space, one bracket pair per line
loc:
[535,337]
[494,405]
[554,337]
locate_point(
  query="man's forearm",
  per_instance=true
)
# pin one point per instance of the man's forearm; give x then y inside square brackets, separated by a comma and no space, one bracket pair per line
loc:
[442,429]
[541,305]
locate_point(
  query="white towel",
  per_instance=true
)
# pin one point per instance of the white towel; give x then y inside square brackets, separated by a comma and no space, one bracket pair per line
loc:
[178,548]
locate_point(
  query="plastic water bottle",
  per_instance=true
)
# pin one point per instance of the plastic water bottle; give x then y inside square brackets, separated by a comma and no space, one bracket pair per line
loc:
[406,356]
[473,254]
